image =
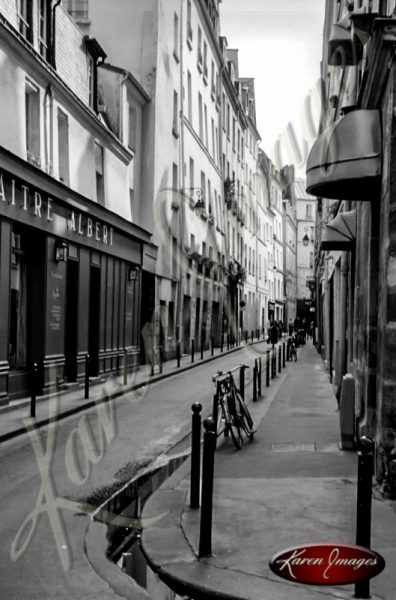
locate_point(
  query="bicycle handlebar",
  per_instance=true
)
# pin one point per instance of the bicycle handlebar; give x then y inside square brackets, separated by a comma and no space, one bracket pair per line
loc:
[228,372]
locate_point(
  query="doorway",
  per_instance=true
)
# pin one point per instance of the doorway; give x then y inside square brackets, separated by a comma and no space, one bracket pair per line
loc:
[94,320]
[71,320]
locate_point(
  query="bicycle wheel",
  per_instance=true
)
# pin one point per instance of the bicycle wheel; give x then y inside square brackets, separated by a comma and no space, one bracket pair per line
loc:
[232,422]
[245,420]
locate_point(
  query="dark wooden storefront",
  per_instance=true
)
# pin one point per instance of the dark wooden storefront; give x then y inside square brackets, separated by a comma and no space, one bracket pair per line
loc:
[55,311]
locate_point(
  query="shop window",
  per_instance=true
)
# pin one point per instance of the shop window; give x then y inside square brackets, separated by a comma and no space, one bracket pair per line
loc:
[17,348]
[25,19]
[100,197]
[63,146]
[32,108]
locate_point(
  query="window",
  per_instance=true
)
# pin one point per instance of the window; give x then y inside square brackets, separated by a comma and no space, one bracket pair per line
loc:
[200,114]
[199,50]
[189,28]
[99,174]
[25,19]
[233,134]
[175,122]
[308,208]
[311,260]
[192,178]
[91,81]
[203,187]
[176,37]
[189,97]
[63,146]
[44,28]
[131,127]
[78,9]
[206,127]
[213,141]
[228,120]
[209,198]
[175,185]
[32,103]
[205,62]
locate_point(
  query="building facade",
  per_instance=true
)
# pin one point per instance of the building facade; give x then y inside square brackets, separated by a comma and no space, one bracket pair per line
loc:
[351,171]
[69,245]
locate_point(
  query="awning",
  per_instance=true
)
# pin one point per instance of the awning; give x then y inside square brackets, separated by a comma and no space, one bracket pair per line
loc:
[340,50]
[345,161]
[340,232]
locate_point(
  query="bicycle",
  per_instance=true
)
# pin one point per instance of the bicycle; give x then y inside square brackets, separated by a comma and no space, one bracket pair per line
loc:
[232,415]
[292,349]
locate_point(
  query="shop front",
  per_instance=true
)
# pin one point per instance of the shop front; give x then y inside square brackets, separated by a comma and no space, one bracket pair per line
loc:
[70,275]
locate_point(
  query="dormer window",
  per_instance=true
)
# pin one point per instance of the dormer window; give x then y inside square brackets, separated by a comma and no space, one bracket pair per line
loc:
[95,57]
[45,28]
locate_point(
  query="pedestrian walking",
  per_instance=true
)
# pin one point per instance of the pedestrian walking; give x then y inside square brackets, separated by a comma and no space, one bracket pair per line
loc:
[274,334]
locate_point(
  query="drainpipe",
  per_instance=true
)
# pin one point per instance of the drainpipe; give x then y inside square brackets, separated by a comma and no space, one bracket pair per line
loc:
[53,34]
[179,309]
[343,315]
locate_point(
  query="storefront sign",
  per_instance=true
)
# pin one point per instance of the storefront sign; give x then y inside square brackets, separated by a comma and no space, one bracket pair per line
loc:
[55,217]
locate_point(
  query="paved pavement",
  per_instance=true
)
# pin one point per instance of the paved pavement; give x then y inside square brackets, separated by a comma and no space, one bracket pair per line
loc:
[291,486]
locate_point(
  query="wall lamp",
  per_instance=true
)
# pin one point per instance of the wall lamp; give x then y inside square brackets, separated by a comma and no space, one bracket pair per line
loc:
[61,251]
[305,240]
[133,273]
[199,207]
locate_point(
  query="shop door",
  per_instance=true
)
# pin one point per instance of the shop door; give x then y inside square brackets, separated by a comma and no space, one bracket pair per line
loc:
[71,321]
[187,323]
[94,320]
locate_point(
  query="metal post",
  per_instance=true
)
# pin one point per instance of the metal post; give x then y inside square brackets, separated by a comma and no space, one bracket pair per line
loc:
[178,354]
[267,369]
[273,363]
[222,342]
[125,365]
[246,336]
[259,375]
[242,382]
[33,387]
[205,533]
[215,407]
[195,454]
[86,395]
[160,359]
[284,354]
[252,337]
[288,350]
[192,350]
[363,509]
[202,346]
[254,382]
[279,359]
[212,344]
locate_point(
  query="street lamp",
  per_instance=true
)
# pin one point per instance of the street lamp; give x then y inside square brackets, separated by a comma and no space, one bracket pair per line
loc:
[305,240]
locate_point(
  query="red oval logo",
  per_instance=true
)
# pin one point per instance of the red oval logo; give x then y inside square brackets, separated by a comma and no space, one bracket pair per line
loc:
[327,564]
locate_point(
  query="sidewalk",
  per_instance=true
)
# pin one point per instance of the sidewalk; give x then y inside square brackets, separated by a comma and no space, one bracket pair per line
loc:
[73,401]
[291,486]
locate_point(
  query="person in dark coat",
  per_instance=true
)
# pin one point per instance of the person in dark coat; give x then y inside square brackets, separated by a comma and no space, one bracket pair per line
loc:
[274,334]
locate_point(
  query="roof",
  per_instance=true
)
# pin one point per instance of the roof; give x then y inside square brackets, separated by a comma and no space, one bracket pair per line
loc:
[300,190]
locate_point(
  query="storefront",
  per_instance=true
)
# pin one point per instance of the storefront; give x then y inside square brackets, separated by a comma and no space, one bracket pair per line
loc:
[70,282]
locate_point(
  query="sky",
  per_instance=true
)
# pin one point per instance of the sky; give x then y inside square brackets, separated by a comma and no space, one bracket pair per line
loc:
[280,45]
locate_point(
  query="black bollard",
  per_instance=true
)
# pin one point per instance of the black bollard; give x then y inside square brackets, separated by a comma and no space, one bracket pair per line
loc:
[192,350]
[284,354]
[202,346]
[86,395]
[259,375]
[363,509]
[215,407]
[273,363]
[178,353]
[246,336]
[267,369]
[222,342]
[195,454]
[125,365]
[254,382]
[205,533]
[212,345]
[33,388]
[252,336]
[279,359]
[242,382]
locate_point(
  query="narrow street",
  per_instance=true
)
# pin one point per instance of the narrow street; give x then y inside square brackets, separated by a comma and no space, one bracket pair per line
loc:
[145,425]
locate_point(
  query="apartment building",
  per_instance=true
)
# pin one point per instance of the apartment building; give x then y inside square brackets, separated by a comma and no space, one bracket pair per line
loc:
[351,172]
[71,253]
[305,216]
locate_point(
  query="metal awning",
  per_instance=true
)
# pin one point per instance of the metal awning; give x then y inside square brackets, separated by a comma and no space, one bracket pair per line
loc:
[340,232]
[345,161]
[340,50]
